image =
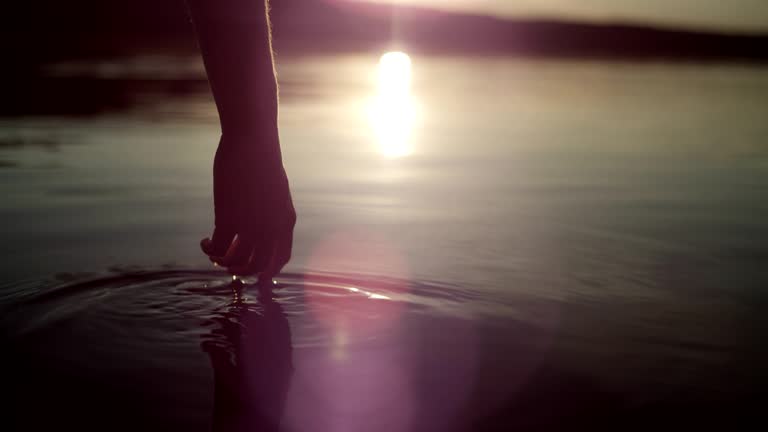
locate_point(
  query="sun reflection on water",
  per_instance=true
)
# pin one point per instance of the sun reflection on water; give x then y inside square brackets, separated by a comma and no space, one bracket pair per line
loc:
[393,112]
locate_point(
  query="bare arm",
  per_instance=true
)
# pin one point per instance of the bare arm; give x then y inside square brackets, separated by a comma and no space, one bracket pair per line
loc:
[253,208]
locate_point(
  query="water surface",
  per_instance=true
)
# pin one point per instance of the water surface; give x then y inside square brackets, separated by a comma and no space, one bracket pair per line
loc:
[529,229]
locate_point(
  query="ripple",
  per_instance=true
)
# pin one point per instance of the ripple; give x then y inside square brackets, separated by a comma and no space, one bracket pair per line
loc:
[169,305]
[174,330]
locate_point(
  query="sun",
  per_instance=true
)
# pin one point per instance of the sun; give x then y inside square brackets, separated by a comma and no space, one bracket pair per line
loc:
[395,73]
[393,111]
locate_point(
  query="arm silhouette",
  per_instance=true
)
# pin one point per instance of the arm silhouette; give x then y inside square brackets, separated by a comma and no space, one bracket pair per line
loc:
[254,213]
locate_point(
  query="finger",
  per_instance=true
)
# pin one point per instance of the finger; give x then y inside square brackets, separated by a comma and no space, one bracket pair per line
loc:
[281,255]
[240,252]
[283,244]
[205,245]
[219,243]
[219,259]
[260,257]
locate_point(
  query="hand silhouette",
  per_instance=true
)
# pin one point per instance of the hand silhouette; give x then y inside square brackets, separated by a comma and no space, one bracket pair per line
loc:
[254,211]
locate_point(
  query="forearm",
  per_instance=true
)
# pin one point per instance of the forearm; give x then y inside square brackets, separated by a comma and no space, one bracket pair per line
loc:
[235,40]
[254,212]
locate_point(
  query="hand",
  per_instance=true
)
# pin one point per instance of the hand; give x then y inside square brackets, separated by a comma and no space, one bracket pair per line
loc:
[254,212]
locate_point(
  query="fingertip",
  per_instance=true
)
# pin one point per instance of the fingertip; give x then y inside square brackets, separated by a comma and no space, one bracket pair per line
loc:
[271,271]
[205,245]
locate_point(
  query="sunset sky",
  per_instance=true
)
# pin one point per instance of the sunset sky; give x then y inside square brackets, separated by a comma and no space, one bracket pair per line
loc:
[734,15]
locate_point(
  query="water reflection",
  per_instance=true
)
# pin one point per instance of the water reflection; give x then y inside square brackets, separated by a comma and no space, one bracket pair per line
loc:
[393,112]
[251,355]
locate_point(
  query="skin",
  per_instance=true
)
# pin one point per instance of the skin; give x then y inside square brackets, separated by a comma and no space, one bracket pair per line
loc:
[254,212]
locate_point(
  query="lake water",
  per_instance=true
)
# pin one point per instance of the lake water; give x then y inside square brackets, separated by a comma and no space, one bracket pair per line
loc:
[509,243]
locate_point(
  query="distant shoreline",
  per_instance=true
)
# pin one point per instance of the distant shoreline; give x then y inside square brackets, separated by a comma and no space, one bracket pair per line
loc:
[304,27]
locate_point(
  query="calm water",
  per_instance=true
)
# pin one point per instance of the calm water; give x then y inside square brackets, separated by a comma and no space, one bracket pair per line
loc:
[506,234]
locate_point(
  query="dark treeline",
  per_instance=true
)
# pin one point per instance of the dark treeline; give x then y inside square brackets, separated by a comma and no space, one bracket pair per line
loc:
[43,30]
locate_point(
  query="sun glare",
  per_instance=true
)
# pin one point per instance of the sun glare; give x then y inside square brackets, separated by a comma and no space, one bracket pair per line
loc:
[393,111]
[395,73]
